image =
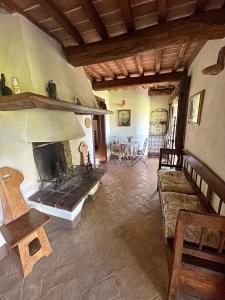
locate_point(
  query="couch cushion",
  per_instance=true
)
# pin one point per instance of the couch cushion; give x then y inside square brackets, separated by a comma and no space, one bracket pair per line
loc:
[177,199]
[180,186]
[165,174]
[172,203]
[175,181]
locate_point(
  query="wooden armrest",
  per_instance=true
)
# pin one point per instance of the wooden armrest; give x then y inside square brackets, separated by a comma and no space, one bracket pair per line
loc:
[20,228]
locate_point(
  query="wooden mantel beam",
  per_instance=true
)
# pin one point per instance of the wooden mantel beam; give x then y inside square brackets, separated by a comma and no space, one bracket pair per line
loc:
[135,81]
[50,7]
[208,25]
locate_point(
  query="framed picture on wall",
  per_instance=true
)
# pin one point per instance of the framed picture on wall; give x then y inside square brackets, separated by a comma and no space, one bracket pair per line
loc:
[124,117]
[195,108]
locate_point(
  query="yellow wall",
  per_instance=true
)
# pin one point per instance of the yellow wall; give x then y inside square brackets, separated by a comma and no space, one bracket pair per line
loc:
[207,141]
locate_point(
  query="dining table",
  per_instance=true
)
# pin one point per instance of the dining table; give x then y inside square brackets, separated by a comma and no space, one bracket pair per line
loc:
[128,150]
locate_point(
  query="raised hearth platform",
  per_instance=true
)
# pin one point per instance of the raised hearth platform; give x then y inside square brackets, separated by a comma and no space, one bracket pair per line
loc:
[67,203]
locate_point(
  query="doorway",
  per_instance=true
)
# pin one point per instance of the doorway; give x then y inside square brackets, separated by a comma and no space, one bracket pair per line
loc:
[100,149]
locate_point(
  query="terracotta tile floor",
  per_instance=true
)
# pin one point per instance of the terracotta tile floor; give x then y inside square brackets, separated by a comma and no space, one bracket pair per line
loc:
[116,252]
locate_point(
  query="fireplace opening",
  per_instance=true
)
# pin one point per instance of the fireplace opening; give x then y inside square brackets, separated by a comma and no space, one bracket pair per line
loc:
[54,164]
[49,159]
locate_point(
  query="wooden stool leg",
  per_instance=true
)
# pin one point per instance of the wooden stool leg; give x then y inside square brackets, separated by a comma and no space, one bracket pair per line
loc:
[28,261]
[45,245]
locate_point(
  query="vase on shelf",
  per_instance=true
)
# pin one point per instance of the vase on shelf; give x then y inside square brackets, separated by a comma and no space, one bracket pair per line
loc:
[51,89]
[15,86]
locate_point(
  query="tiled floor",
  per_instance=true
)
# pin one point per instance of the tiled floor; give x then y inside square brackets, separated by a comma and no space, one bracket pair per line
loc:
[116,252]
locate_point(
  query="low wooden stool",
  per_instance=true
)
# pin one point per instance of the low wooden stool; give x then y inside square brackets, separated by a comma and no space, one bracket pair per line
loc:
[23,230]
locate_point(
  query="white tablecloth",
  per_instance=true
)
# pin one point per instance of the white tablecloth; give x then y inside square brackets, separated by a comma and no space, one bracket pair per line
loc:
[128,149]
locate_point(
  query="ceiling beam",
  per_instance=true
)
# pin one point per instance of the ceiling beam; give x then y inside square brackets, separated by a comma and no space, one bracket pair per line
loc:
[162,10]
[208,25]
[160,92]
[93,73]
[135,81]
[195,53]
[200,5]
[180,56]
[91,11]
[127,15]
[158,57]
[122,67]
[50,7]
[139,64]
[13,7]
[107,70]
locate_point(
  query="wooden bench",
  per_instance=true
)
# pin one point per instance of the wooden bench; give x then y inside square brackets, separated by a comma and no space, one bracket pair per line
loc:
[23,230]
[196,263]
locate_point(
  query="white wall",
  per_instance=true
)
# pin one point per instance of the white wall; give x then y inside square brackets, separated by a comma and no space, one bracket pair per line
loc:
[88,139]
[33,57]
[106,95]
[207,141]
[138,101]
[159,102]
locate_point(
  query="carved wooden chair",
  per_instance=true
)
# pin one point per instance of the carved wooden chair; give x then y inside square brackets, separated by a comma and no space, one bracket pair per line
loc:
[23,229]
[191,276]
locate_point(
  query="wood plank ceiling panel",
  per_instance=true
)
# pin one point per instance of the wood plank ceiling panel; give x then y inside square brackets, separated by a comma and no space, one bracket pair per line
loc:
[94,17]
[38,13]
[25,3]
[96,20]
[67,5]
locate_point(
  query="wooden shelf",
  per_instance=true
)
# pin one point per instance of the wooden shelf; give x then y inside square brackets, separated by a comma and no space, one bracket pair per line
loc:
[31,101]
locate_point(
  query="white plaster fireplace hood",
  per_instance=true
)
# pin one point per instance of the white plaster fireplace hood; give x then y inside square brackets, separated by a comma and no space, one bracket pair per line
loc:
[50,126]
[39,125]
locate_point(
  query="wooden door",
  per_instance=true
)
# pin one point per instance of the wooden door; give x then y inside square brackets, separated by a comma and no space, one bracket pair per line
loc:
[102,149]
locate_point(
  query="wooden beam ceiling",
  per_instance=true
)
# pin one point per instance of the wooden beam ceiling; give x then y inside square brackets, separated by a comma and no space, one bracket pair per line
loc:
[180,56]
[195,53]
[13,7]
[107,70]
[135,81]
[201,5]
[127,15]
[93,73]
[90,10]
[139,64]
[158,57]
[162,10]
[160,92]
[122,67]
[57,14]
[208,25]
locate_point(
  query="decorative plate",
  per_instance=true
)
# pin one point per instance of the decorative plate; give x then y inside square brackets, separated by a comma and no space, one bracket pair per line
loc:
[88,122]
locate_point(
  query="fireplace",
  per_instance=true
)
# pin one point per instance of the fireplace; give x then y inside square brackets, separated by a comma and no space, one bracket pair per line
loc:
[53,162]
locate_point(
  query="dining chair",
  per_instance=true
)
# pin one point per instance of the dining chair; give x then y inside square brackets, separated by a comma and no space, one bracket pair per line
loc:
[114,148]
[140,154]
